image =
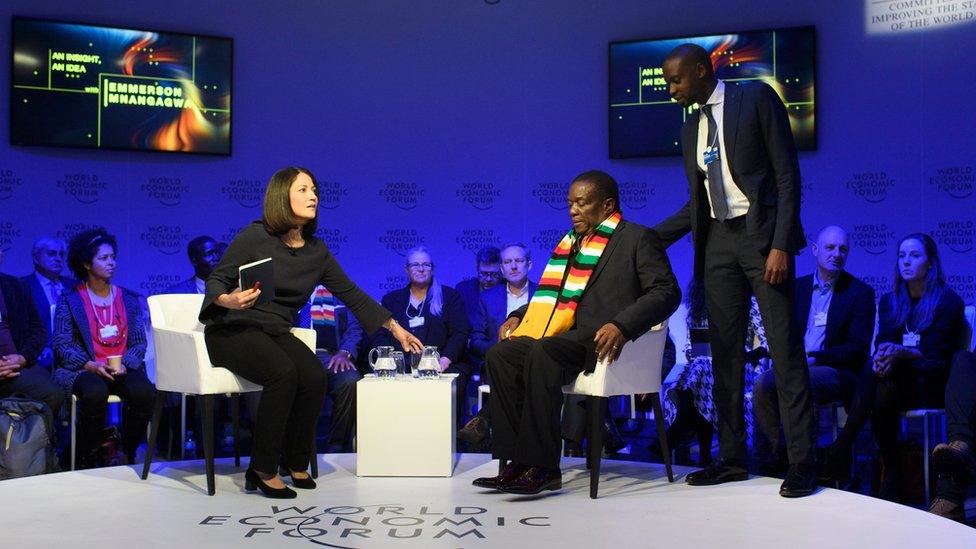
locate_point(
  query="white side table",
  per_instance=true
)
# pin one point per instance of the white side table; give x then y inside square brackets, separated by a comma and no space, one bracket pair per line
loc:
[405,427]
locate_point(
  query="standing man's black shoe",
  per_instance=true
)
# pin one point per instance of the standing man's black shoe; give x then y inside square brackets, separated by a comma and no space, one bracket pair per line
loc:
[533,481]
[474,431]
[508,472]
[801,479]
[717,473]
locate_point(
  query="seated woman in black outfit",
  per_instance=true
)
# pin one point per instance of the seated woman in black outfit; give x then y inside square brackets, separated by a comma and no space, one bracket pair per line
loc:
[919,327]
[435,313]
[255,342]
[94,321]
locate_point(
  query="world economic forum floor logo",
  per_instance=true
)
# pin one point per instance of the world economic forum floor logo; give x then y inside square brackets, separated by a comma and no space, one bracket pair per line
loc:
[354,526]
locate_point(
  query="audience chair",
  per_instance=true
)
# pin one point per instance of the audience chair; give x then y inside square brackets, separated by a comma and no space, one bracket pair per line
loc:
[183,366]
[112,399]
[638,370]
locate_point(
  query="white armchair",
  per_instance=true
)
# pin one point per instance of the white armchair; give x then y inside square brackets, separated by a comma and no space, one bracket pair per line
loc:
[637,370]
[183,366]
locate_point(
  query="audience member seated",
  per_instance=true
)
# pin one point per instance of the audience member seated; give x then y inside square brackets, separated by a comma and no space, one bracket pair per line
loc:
[486,261]
[95,322]
[435,314]
[953,459]
[919,325]
[687,402]
[838,312]
[22,337]
[204,256]
[494,307]
[46,285]
[337,347]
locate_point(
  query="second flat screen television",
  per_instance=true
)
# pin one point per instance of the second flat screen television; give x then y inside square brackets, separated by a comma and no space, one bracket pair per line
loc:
[644,121]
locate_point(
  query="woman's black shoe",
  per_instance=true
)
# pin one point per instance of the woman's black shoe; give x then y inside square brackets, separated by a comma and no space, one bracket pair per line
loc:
[253,482]
[304,483]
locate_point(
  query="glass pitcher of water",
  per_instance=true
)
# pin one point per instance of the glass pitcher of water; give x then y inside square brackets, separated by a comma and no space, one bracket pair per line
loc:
[382,363]
[429,366]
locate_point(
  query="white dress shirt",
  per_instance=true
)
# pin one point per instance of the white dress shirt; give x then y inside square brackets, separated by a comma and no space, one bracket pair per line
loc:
[738,204]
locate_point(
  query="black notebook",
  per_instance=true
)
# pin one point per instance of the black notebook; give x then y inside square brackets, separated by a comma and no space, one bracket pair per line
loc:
[259,271]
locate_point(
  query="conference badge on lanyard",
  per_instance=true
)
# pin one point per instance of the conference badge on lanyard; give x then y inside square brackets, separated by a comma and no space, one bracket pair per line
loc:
[710,154]
[911,339]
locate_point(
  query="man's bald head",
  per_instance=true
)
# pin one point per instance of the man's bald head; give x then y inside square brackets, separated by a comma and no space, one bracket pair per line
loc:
[831,249]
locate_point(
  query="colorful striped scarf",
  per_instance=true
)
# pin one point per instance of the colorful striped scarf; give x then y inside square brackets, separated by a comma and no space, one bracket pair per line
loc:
[553,306]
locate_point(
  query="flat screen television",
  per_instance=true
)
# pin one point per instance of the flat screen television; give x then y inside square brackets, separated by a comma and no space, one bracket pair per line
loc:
[644,121]
[92,86]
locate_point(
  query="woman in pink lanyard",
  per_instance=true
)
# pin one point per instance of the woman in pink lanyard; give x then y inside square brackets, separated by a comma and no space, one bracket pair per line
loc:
[100,343]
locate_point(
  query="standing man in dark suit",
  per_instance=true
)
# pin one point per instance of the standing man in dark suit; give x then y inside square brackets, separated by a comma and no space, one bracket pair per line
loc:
[607,282]
[46,285]
[838,312]
[204,256]
[744,218]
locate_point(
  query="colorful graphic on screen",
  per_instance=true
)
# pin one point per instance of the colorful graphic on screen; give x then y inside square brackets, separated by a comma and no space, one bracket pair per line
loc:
[644,121]
[87,86]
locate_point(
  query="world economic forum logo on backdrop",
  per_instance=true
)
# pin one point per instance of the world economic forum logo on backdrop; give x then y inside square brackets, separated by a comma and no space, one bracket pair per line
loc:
[873,238]
[331,194]
[228,235]
[955,181]
[401,240]
[157,283]
[246,192]
[335,239]
[546,239]
[8,184]
[871,187]
[168,191]
[355,526]
[635,195]
[403,194]
[480,196]
[8,232]
[84,187]
[964,285]
[880,283]
[473,240]
[69,230]
[958,235]
[551,194]
[392,282]
[166,239]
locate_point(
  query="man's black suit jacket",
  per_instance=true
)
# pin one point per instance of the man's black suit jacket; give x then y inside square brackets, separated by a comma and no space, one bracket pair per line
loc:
[40,297]
[762,159]
[632,286]
[26,329]
[850,321]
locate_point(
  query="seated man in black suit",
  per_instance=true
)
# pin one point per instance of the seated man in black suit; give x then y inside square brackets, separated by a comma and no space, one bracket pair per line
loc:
[46,285]
[496,304]
[471,289]
[339,338]
[22,337]
[204,256]
[607,282]
[838,312]
[953,460]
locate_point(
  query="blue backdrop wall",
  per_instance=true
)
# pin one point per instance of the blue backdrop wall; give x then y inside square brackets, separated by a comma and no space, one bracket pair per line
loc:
[458,123]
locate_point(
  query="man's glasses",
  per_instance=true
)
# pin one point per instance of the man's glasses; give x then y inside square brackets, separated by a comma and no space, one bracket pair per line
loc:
[489,274]
[420,266]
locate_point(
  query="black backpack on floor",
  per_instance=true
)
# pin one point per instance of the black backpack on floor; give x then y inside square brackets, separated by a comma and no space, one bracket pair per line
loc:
[26,438]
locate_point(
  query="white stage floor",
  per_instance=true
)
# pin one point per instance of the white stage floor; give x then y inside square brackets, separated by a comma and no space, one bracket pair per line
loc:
[112,507]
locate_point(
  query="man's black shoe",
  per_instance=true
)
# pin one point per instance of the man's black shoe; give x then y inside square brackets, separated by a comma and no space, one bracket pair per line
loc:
[717,473]
[800,481]
[508,472]
[474,431]
[533,481]
[954,458]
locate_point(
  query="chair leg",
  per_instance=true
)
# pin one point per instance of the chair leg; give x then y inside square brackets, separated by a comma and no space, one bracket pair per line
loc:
[182,440]
[314,461]
[208,441]
[501,465]
[153,432]
[74,430]
[595,408]
[235,418]
[925,454]
[662,434]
